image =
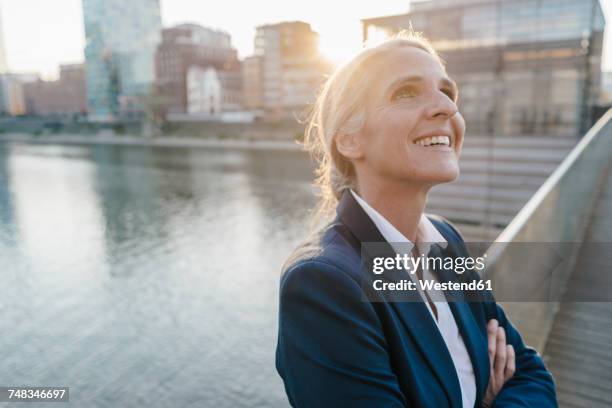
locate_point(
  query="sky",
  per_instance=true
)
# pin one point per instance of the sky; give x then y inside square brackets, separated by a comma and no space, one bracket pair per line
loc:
[41,34]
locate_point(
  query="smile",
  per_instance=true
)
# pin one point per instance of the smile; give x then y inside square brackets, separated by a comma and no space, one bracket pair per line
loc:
[433,141]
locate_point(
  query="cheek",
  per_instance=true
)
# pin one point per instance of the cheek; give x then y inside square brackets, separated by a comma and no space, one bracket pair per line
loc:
[396,127]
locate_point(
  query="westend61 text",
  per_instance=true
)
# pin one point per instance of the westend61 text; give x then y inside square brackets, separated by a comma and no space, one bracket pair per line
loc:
[432,285]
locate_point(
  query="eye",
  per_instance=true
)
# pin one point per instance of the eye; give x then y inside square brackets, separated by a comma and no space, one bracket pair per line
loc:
[408,91]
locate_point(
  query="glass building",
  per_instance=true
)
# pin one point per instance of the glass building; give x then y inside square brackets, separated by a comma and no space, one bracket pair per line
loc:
[121,39]
[524,67]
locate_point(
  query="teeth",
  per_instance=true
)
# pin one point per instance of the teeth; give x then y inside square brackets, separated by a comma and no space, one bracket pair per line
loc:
[433,140]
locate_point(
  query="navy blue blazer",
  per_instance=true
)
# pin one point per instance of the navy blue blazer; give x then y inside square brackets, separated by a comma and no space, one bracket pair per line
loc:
[336,350]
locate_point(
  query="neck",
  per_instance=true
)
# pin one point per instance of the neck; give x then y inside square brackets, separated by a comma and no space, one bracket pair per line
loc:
[401,203]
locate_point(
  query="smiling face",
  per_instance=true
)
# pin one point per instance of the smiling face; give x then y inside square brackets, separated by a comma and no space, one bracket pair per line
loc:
[413,131]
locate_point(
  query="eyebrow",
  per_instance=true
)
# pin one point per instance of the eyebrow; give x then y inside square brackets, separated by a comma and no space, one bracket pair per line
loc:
[417,78]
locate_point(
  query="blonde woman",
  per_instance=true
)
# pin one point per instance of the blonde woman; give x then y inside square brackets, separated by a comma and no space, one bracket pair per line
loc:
[385,129]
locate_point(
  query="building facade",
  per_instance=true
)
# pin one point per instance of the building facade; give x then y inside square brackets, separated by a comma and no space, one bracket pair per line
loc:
[606,88]
[65,96]
[524,67]
[121,38]
[186,46]
[291,68]
[12,95]
[252,81]
[12,101]
[211,92]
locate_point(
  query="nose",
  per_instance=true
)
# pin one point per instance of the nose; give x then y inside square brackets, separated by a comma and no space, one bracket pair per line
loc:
[441,106]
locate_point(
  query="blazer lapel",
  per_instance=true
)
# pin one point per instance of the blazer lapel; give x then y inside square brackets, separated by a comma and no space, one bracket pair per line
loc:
[426,335]
[475,341]
[412,311]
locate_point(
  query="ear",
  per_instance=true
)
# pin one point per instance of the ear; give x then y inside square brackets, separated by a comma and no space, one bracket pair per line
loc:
[349,145]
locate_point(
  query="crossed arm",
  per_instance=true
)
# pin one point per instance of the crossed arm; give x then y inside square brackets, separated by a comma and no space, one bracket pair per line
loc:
[530,384]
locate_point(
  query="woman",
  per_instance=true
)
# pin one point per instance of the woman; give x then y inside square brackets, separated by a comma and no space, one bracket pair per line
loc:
[385,129]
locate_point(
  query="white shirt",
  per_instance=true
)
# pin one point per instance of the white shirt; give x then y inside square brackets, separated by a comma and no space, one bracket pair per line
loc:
[426,235]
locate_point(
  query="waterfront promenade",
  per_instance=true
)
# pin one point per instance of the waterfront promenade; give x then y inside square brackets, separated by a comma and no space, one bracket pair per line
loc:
[163,141]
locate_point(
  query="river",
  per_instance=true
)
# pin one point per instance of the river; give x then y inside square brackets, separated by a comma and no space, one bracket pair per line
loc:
[144,276]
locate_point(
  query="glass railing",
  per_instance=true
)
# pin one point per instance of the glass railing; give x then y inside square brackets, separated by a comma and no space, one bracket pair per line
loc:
[531,260]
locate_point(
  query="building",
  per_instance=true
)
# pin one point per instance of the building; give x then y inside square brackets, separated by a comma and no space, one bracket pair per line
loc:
[12,101]
[65,96]
[211,92]
[121,38]
[524,67]
[292,69]
[192,47]
[252,81]
[12,96]
[3,63]
[606,87]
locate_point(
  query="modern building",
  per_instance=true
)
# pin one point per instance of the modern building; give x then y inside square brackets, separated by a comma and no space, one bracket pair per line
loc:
[121,38]
[524,67]
[65,96]
[292,69]
[212,92]
[192,47]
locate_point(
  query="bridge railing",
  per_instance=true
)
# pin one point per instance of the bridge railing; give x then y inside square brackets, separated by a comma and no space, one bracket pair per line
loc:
[530,283]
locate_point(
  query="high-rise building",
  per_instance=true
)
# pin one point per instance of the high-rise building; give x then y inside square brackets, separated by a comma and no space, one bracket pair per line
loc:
[121,38]
[67,95]
[524,67]
[186,47]
[292,68]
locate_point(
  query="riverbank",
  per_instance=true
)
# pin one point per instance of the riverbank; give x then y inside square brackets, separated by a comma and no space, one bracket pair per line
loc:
[163,141]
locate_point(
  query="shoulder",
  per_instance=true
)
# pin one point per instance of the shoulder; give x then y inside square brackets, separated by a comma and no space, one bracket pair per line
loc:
[325,258]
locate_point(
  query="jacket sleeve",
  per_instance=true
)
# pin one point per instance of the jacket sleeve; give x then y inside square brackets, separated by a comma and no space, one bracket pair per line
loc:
[532,384]
[331,351]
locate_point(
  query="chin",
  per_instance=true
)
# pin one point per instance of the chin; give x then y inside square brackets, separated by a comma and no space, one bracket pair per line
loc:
[441,176]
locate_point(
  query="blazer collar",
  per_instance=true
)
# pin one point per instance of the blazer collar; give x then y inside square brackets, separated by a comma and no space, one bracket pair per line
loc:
[426,233]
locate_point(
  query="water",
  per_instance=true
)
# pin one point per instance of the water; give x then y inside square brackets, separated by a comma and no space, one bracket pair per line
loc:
[143,277]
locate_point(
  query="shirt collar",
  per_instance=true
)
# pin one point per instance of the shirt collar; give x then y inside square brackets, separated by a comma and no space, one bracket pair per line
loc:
[427,234]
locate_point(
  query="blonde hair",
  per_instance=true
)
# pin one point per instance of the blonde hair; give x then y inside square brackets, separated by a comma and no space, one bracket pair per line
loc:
[340,107]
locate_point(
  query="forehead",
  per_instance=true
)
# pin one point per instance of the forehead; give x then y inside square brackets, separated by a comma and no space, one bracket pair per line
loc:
[409,61]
